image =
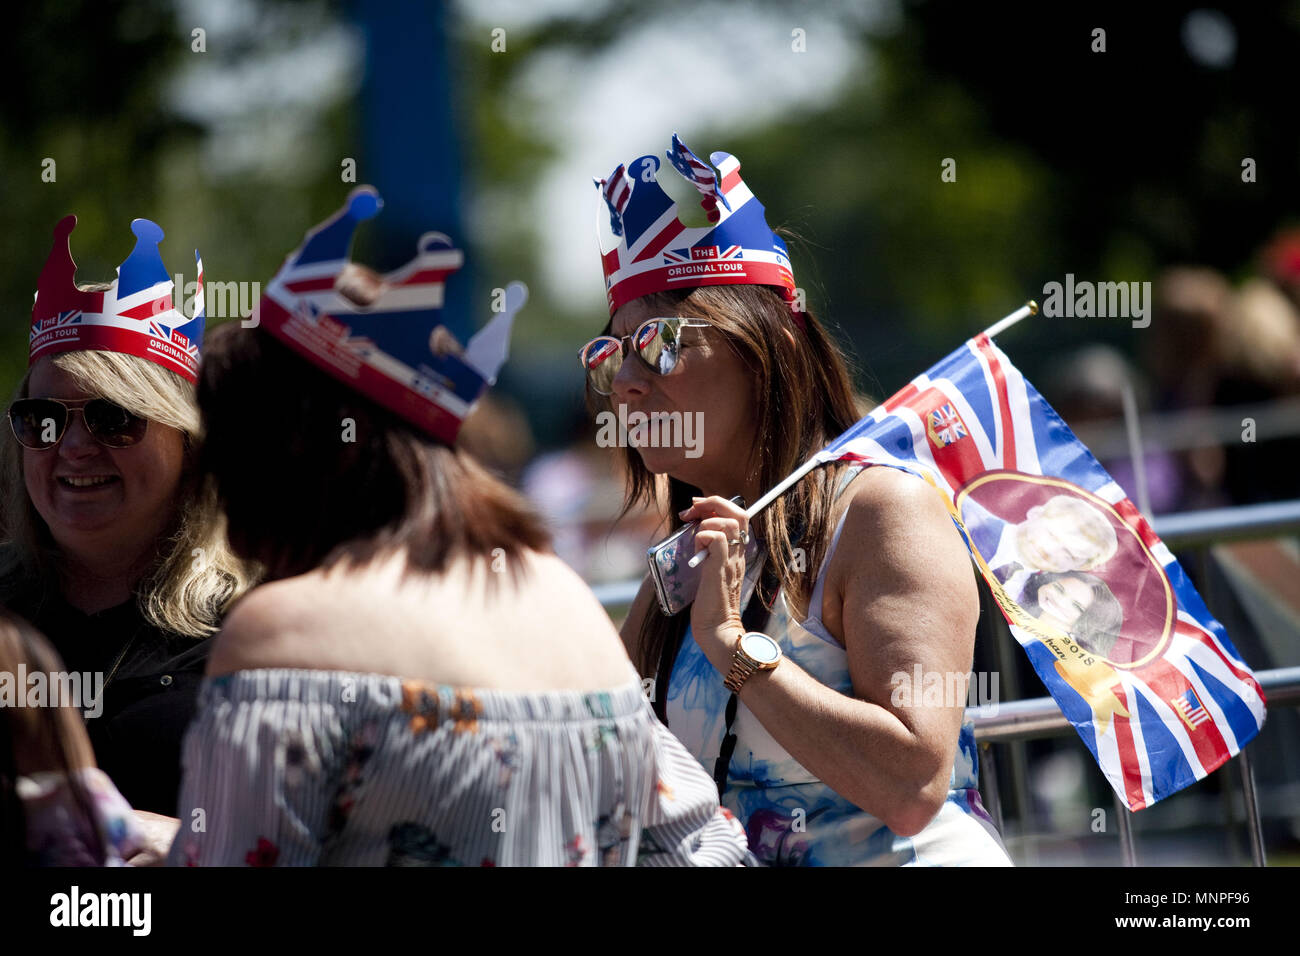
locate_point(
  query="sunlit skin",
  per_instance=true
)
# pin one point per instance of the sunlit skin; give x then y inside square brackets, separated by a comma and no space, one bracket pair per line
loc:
[1063,602]
[710,378]
[1053,541]
[107,533]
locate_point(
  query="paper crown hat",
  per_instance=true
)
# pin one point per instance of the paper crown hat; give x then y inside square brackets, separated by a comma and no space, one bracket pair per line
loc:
[394,351]
[656,253]
[134,316]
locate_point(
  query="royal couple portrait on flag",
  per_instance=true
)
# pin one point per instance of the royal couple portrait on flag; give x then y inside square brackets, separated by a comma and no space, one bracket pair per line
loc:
[1110,621]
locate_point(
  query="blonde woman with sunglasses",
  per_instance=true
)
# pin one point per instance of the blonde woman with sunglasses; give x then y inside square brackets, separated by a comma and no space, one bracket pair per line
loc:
[113,547]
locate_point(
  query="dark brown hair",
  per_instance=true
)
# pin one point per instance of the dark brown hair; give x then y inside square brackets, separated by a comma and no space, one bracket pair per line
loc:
[311,472]
[802,398]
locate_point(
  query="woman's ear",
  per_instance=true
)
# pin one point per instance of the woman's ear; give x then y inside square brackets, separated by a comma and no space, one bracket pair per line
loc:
[789,335]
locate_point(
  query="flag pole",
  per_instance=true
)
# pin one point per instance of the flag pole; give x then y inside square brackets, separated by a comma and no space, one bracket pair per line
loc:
[998,327]
[1001,325]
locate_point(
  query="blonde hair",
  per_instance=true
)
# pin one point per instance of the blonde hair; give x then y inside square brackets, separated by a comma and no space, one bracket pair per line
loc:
[183,593]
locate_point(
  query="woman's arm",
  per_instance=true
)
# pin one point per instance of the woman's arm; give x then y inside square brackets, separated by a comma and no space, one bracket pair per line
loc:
[157,833]
[908,598]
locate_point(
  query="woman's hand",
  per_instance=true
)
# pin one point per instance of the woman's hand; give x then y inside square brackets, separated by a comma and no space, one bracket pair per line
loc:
[156,835]
[715,615]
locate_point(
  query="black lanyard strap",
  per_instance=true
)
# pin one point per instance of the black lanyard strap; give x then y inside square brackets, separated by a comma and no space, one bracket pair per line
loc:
[753,618]
[722,765]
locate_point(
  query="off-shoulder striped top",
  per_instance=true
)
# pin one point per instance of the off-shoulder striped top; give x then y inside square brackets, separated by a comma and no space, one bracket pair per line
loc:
[306,767]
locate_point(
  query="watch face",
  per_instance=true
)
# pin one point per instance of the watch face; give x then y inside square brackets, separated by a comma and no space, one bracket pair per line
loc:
[761,648]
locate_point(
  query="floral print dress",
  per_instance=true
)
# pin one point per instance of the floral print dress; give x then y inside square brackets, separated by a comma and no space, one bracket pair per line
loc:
[290,767]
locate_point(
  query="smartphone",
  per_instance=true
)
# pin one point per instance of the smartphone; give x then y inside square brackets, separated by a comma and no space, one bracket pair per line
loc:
[675,580]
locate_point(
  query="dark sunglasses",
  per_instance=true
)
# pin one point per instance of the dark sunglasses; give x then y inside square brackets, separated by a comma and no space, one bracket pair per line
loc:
[656,342]
[40,423]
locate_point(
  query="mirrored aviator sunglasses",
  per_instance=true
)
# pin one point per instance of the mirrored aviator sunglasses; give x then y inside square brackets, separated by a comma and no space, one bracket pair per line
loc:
[40,423]
[656,342]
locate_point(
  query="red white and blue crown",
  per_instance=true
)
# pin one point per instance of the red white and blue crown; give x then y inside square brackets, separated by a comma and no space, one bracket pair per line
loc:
[395,351]
[656,253]
[135,316]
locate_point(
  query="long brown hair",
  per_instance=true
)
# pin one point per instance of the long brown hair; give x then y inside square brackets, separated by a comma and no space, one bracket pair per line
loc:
[299,495]
[802,398]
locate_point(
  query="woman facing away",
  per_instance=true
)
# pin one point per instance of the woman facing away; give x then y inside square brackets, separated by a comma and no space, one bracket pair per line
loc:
[114,548]
[860,573]
[420,681]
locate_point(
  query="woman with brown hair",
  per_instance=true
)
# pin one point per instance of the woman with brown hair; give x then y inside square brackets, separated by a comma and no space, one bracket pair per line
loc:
[781,676]
[420,681]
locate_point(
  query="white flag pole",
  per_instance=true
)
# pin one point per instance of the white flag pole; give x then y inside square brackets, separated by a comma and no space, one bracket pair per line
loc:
[998,327]
[1001,325]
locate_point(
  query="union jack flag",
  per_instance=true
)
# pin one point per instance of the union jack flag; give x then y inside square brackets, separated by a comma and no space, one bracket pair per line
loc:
[1108,618]
[946,425]
[67,317]
[707,253]
[701,175]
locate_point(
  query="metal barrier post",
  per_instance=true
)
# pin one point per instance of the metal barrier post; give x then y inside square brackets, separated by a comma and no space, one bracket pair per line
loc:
[1005,646]
[1125,833]
[1253,825]
[992,796]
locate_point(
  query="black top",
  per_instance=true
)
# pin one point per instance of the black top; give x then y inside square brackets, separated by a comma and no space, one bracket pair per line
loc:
[151,681]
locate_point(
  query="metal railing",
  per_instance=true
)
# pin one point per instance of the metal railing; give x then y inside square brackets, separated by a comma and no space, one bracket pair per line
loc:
[1041,717]
[1021,720]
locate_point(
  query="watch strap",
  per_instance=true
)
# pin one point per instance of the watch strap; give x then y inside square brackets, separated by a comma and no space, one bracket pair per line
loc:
[741,670]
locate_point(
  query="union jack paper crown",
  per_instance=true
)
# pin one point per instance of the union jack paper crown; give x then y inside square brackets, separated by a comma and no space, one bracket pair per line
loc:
[135,316]
[395,350]
[656,253]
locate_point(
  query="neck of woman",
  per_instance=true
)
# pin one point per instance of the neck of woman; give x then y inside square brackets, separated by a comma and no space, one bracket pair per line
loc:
[96,583]
[731,483]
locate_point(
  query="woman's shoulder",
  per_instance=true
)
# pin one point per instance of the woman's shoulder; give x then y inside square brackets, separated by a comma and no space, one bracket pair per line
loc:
[451,625]
[318,619]
[894,519]
[556,578]
[265,622]
[881,498]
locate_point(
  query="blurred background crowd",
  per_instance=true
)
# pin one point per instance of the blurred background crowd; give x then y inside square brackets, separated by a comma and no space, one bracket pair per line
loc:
[1119,158]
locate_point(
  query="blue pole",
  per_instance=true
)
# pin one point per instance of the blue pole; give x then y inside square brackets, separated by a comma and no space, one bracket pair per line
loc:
[410,142]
